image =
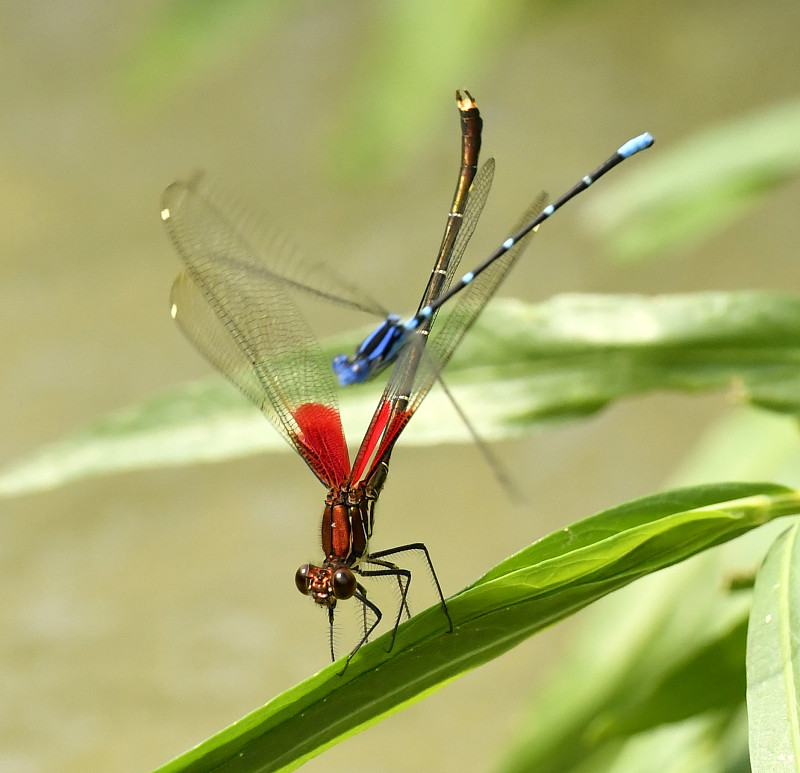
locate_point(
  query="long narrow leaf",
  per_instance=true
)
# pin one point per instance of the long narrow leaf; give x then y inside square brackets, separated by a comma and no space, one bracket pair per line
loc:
[521,365]
[773,661]
[528,592]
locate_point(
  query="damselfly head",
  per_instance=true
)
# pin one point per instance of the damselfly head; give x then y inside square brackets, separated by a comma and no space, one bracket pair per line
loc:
[326,584]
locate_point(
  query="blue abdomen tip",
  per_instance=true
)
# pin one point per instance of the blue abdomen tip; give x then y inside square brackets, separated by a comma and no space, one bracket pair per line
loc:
[636,144]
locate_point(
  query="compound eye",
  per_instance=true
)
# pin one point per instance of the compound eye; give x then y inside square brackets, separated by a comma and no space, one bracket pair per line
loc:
[344,584]
[302,578]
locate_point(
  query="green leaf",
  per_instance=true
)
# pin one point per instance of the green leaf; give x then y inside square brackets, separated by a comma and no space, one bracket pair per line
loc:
[773,664]
[520,366]
[532,590]
[709,677]
[632,648]
[682,195]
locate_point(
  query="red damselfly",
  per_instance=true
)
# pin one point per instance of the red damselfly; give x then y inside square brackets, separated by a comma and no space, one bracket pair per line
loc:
[238,312]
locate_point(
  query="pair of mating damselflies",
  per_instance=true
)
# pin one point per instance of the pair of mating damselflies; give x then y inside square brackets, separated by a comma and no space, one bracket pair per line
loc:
[239,314]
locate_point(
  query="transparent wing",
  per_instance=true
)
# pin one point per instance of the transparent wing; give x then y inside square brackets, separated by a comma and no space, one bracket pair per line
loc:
[286,261]
[207,332]
[239,315]
[420,362]
[476,201]
[470,302]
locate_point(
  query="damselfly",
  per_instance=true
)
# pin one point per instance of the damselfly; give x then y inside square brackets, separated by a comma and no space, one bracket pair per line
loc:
[238,313]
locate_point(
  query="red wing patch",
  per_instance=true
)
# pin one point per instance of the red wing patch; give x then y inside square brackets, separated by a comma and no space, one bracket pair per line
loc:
[322,436]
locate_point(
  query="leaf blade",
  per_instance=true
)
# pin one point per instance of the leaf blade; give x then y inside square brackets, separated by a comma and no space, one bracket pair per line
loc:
[490,617]
[773,667]
[522,366]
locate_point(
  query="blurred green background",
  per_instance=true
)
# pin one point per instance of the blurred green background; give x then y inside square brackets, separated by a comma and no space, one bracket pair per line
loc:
[142,612]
